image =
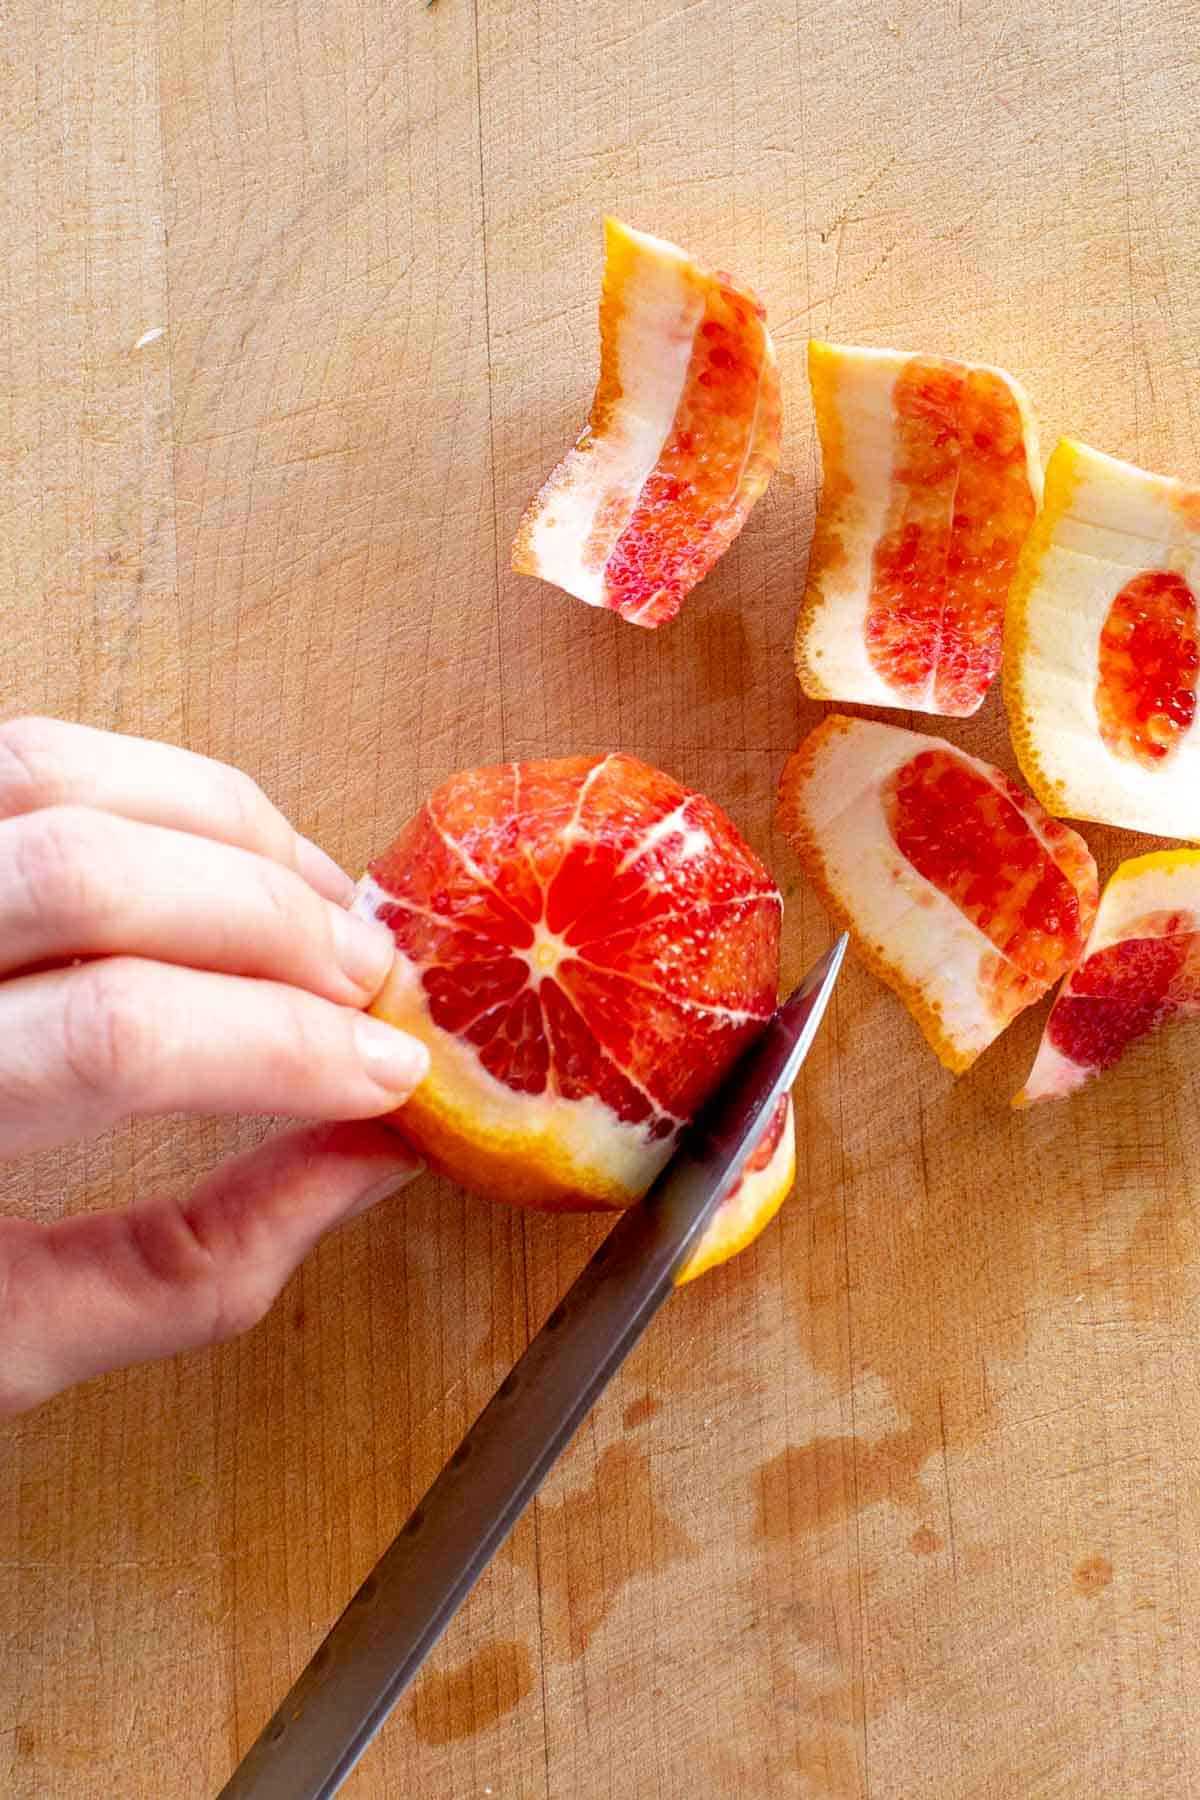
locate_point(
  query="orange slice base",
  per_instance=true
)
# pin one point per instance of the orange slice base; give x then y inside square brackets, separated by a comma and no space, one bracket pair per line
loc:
[754,1198]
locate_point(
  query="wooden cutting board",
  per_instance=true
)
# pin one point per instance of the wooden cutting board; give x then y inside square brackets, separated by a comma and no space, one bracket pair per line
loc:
[298,308]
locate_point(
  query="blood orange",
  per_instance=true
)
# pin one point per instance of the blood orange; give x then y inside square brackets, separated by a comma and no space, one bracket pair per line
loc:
[682,438]
[585,947]
[1141,967]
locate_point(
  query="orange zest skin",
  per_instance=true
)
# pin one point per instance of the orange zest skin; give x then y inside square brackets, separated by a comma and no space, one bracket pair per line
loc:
[750,1205]
[681,441]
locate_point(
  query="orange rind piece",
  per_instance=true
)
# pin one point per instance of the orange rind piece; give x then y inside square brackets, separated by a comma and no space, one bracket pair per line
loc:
[1103,666]
[1140,969]
[957,889]
[931,482]
[585,947]
[755,1197]
[682,438]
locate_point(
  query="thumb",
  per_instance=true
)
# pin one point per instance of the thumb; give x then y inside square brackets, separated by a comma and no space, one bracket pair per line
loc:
[100,1291]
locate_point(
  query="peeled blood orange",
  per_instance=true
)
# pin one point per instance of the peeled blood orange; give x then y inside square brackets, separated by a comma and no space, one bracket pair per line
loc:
[931,481]
[585,947]
[1103,675]
[1141,967]
[958,890]
[682,438]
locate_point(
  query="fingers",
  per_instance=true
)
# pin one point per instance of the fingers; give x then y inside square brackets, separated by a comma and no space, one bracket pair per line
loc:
[83,1047]
[47,762]
[75,882]
[103,1290]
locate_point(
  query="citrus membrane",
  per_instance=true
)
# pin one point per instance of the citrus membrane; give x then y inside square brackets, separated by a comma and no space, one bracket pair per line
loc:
[931,481]
[957,889]
[1141,968]
[1103,665]
[585,947]
[682,438]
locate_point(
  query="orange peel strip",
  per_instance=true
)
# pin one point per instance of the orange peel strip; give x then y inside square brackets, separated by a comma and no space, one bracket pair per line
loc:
[931,480]
[681,440]
[1103,661]
[1141,968]
[958,890]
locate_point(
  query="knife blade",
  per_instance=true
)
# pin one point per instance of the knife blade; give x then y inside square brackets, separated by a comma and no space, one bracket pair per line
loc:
[338,1703]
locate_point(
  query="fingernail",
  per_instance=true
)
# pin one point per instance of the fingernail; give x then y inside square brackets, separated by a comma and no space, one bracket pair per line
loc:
[392,1058]
[383,1189]
[365,951]
[321,872]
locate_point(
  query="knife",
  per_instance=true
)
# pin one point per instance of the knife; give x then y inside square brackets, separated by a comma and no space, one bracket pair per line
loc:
[341,1699]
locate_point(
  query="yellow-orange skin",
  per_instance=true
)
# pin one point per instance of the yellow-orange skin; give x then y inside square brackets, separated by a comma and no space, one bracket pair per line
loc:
[747,1211]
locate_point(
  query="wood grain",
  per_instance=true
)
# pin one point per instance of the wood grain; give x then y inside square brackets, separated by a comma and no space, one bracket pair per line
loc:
[903,1502]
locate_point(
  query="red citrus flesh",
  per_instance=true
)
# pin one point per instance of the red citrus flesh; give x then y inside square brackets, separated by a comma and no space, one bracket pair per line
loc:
[587,931]
[960,509]
[687,513]
[1148,668]
[970,836]
[1127,990]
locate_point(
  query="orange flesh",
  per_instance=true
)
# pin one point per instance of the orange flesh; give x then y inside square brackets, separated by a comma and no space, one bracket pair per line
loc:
[583,945]
[688,511]
[960,509]
[1149,665]
[1125,991]
[973,842]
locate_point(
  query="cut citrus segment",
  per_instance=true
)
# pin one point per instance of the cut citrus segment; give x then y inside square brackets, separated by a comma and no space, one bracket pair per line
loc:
[931,480]
[1141,967]
[1103,664]
[957,889]
[585,947]
[755,1197]
[682,438]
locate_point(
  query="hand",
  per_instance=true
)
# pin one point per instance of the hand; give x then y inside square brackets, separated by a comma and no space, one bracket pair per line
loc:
[169,944]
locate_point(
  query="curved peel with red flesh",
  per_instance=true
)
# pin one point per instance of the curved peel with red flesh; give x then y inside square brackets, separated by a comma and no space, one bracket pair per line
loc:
[1141,968]
[585,947]
[1103,671]
[958,890]
[931,481]
[682,438]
